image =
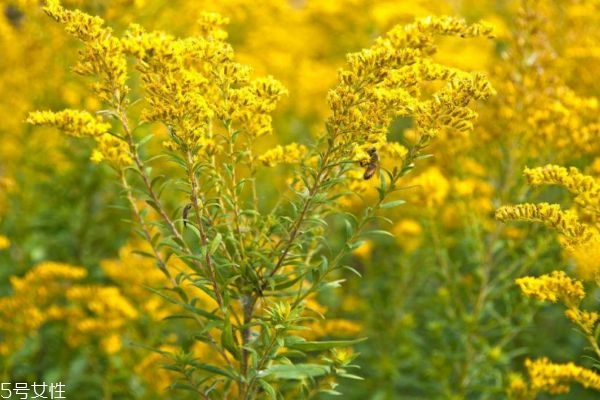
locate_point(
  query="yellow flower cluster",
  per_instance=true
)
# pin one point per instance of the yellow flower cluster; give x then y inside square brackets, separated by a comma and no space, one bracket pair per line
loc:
[536,106]
[431,188]
[586,256]
[175,94]
[585,187]
[556,286]
[72,122]
[579,227]
[113,150]
[390,155]
[53,292]
[583,245]
[384,82]
[48,273]
[102,56]
[408,233]
[292,153]
[82,124]
[555,378]
[188,83]
[4,242]
[585,319]
[565,222]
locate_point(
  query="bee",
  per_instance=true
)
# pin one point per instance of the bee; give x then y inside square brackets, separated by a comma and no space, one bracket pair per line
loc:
[186,210]
[372,164]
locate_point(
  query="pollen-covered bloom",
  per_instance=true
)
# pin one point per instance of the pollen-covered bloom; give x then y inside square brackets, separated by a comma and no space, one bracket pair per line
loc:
[189,83]
[102,56]
[518,388]
[556,286]
[586,256]
[585,187]
[113,150]
[33,302]
[578,225]
[290,154]
[585,319]
[72,122]
[565,222]
[385,81]
[556,378]
[176,92]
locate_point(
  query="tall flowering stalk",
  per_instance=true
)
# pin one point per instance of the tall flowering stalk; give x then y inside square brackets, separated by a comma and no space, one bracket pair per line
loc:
[182,127]
[581,240]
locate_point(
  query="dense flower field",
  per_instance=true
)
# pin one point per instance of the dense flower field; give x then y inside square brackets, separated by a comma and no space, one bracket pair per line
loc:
[300,198]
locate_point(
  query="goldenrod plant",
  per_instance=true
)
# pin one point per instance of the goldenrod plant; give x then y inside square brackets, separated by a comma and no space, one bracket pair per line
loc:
[182,124]
[199,219]
[581,240]
[454,321]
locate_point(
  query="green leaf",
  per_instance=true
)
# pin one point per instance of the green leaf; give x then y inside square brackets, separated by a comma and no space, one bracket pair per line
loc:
[188,307]
[153,204]
[143,253]
[227,340]
[423,157]
[287,283]
[392,204]
[155,238]
[377,232]
[214,243]
[296,371]
[330,392]
[322,345]
[331,285]
[383,188]
[213,369]
[268,389]
[348,228]
[179,316]
[355,245]
[354,271]
[156,180]
[182,294]
[351,376]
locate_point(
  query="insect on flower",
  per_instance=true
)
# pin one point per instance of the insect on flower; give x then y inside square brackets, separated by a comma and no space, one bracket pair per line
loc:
[372,164]
[186,210]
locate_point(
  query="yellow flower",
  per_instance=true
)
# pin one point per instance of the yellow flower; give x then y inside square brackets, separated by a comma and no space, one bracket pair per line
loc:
[585,319]
[556,378]
[46,273]
[4,242]
[586,189]
[112,149]
[111,344]
[341,327]
[556,286]
[289,154]
[210,25]
[408,233]
[382,83]
[431,188]
[565,222]
[586,256]
[74,123]
[103,55]
[518,388]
